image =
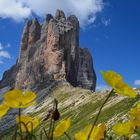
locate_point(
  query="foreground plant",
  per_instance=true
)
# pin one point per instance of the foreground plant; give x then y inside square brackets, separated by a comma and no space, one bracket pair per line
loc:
[97,133]
[62,128]
[3,109]
[25,124]
[128,128]
[30,123]
[119,86]
[135,112]
[18,99]
[124,129]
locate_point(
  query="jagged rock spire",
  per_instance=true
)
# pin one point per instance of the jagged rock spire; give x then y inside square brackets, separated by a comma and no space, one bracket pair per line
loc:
[50,52]
[60,15]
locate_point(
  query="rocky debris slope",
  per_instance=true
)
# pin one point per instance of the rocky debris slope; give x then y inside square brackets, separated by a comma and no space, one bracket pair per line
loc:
[50,52]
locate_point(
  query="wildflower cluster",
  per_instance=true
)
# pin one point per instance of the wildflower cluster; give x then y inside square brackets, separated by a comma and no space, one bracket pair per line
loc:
[25,124]
[128,128]
[18,99]
[125,129]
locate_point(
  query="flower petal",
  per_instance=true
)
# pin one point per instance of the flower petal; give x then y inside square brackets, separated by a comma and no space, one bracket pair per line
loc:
[62,127]
[17,99]
[111,78]
[29,96]
[13,94]
[124,129]
[29,122]
[12,98]
[97,133]
[27,105]
[124,89]
[3,109]
[116,82]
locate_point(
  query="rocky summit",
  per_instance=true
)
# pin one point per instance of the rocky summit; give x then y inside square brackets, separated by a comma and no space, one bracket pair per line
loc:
[50,52]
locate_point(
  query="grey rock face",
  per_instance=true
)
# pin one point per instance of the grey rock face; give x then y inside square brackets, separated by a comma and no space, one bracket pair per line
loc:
[34,32]
[9,77]
[44,29]
[50,52]
[60,15]
[86,75]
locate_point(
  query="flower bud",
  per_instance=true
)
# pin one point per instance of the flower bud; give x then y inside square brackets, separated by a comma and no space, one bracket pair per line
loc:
[56,115]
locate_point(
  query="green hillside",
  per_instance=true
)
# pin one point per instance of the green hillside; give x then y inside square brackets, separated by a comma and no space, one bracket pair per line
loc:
[81,105]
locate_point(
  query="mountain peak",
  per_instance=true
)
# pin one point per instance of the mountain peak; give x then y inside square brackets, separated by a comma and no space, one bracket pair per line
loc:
[50,52]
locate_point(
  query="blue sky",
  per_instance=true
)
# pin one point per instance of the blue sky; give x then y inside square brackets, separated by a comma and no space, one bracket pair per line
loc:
[112,35]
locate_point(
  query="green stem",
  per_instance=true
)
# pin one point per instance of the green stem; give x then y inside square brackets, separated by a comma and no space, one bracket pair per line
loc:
[14,137]
[50,127]
[67,135]
[53,125]
[41,135]
[45,133]
[19,115]
[96,119]
[29,123]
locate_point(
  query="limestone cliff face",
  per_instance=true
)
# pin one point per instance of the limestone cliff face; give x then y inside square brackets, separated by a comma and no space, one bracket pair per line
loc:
[50,52]
[86,74]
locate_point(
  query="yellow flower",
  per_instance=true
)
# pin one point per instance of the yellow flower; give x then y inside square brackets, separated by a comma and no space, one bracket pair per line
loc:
[138,105]
[124,129]
[135,112]
[3,109]
[116,82]
[18,99]
[83,135]
[29,122]
[97,133]
[135,115]
[135,123]
[111,78]
[62,127]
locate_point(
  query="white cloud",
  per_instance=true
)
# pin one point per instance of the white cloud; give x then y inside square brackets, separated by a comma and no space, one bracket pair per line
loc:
[8,45]
[85,10]
[5,54]
[14,9]
[137,83]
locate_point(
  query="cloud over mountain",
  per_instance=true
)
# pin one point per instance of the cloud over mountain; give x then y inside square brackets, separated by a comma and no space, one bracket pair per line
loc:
[14,9]
[85,10]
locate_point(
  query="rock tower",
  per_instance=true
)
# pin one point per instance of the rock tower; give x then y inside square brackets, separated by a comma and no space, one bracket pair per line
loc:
[50,52]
